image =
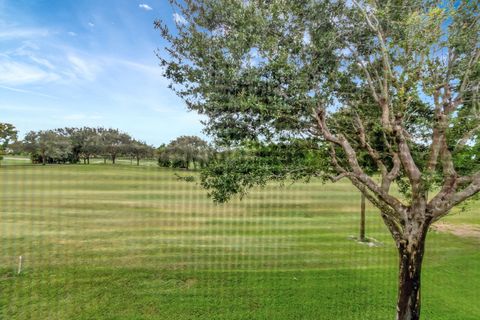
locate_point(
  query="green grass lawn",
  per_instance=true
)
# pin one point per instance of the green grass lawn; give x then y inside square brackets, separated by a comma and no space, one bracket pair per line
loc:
[15,160]
[127,242]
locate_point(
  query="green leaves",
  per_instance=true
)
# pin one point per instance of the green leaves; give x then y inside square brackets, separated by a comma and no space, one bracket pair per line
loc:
[255,164]
[185,150]
[261,71]
[8,134]
[256,70]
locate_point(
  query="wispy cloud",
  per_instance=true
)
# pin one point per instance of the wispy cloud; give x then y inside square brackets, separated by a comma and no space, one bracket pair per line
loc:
[18,73]
[154,70]
[21,33]
[27,92]
[30,50]
[28,109]
[145,7]
[83,68]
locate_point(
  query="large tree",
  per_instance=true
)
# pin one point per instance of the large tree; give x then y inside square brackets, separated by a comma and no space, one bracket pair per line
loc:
[394,81]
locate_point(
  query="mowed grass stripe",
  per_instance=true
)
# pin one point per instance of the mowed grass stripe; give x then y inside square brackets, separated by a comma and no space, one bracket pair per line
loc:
[127,242]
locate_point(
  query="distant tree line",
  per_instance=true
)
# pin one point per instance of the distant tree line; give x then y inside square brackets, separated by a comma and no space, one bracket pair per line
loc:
[73,145]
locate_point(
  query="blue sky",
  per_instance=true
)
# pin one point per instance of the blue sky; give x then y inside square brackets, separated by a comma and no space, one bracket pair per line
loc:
[88,63]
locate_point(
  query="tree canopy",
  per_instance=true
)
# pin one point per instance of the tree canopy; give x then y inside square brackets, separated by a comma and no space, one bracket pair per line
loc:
[389,83]
[8,135]
[183,151]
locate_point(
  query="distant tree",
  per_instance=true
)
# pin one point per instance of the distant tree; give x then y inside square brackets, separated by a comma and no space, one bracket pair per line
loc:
[162,156]
[186,150]
[85,143]
[140,150]
[91,144]
[75,144]
[16,147]
[49,146]
[113,142]
[8,135]
[31,145]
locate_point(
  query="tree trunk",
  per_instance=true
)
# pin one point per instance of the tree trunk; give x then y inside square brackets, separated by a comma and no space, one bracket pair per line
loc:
[362,218]
[44,159]
[113,159]
[410,267]
[138,161]
[84,160]
[88,160]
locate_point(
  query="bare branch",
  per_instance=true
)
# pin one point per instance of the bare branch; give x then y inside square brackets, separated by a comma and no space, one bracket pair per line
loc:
[339,177]
[444,202]
[365,144]
[370,81]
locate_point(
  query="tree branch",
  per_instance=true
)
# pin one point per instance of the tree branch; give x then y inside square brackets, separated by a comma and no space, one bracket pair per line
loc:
[444,202]
[353,162]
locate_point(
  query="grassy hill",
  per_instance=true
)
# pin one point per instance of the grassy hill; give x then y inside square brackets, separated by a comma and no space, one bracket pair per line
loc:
[126,242]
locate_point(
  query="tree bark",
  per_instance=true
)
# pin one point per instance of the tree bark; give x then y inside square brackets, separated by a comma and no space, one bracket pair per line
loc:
[410,267]
[362,218]
[113,159]
[138,161]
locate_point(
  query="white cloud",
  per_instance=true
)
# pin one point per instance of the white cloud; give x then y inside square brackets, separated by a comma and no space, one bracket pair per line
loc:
[82,68]
[71,33]
[179,19]
[153,70]
[18,33]
[29,50]
[145,7]
[27,92]
[91,24]
[42,61]
[18,73]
